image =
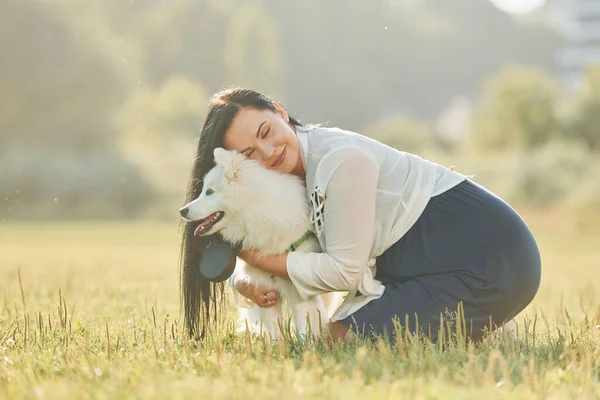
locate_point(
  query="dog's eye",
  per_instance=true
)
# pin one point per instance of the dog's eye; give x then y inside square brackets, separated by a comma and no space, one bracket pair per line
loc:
[209,191]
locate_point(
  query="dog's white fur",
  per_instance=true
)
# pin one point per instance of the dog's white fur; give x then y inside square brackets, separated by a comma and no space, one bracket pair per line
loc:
[267,211]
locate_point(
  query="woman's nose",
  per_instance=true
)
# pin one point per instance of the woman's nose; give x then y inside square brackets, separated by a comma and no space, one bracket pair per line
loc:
[268,152]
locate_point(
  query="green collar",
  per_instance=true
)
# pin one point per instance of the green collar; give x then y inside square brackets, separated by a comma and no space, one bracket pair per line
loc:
[298,242]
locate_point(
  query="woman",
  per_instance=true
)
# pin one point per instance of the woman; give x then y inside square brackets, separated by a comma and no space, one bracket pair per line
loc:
[405,237]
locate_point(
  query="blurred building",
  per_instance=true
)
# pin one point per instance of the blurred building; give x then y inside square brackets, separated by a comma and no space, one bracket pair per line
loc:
[580,22]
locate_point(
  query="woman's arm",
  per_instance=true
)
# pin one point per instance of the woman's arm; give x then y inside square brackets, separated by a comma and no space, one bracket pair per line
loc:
[275,264]
[349,229]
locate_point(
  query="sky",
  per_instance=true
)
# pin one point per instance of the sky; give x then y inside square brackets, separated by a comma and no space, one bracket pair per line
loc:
[518,6]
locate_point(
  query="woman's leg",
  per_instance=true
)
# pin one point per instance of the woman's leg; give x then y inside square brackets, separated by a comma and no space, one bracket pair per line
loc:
[468,247]
[424,300]
[339,331]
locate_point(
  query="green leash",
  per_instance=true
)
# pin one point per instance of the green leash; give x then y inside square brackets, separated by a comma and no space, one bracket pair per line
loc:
[298,242]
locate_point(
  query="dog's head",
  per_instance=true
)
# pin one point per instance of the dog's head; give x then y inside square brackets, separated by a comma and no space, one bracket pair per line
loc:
[216,199]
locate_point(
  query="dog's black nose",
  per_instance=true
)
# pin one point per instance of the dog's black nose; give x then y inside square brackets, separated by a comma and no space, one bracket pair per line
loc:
[184,211]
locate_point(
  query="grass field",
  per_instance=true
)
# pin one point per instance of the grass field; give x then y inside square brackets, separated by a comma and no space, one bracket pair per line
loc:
[91,310]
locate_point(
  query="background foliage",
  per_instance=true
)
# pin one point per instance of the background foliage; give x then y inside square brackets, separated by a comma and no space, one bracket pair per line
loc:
[101,101]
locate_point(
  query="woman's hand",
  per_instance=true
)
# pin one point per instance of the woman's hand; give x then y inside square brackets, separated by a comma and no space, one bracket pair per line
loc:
[262,297]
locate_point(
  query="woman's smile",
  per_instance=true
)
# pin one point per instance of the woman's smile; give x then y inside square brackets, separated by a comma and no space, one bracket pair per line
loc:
[279,159]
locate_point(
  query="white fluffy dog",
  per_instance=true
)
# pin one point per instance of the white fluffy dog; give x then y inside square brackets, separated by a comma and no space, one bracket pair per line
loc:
[267,211]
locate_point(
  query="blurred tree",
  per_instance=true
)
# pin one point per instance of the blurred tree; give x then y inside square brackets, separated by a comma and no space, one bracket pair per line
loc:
[337,55]
[159,127]
[57,141]
[548,174]
[584,199]
[518,110]
[67,66]
[585,125]
[351,62]
[178,37]
[403,133]
[159,115]
[252,54]
[345,62]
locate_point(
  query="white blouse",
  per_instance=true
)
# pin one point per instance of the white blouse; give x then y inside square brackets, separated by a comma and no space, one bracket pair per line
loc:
[365,196]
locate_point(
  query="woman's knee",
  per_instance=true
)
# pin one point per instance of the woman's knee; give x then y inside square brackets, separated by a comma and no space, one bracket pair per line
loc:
[528,283]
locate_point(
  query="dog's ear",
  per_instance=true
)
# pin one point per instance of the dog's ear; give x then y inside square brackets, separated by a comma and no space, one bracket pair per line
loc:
[220,156]
[230,161]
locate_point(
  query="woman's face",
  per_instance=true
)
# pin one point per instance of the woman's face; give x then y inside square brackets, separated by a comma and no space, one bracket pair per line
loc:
[267,137]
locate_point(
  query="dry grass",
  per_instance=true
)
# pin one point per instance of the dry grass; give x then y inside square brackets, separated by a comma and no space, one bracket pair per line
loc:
[90,310]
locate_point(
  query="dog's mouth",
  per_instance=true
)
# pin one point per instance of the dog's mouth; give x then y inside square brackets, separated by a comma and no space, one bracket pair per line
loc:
[207,223]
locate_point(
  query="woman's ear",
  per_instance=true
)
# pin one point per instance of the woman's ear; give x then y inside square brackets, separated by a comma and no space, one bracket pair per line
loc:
[281,111]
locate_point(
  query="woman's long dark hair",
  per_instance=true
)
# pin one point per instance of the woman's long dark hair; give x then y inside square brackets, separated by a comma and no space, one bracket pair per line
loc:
[203,300]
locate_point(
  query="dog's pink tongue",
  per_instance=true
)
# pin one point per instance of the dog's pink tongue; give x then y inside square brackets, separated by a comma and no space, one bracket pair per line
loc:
[198,229]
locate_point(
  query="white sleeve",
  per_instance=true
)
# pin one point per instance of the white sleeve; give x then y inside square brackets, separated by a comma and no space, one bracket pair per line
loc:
[348,227]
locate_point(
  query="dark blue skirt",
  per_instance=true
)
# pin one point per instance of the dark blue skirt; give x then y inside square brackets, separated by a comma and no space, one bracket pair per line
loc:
[468,247]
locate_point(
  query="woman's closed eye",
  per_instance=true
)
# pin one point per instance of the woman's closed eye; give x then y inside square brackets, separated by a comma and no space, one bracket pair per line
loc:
[266,133]
[263,136]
